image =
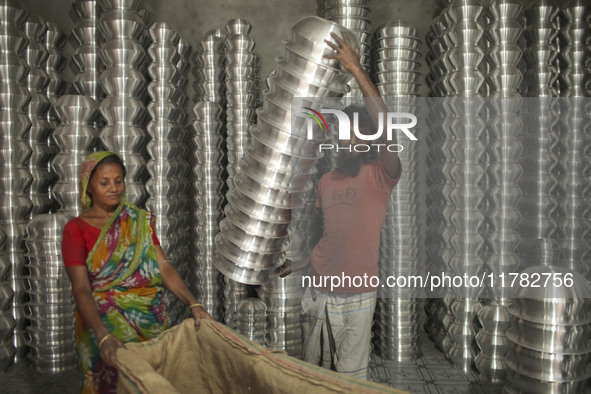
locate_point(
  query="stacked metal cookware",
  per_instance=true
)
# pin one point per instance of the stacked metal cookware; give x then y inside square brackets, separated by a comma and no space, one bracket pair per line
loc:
[168,151]
[15,177]
[354,15]
[574,85]
[121,26]
[37,83]
[457,199]
[56,63]
[574,49]
[504,172]
[398,311]
[283,297]
[541,139]
[550,346]
[209,70]
[84,38]
[541,52]
[50,308]
[241,68]
[7,322]
[396,59]
[279,159]
[75,137]
[251,319]
[208,202]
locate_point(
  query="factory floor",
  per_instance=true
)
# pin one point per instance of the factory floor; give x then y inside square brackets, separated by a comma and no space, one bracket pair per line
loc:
[430,374]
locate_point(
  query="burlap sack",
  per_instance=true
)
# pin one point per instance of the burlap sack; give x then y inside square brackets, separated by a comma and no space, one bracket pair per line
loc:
[218,360]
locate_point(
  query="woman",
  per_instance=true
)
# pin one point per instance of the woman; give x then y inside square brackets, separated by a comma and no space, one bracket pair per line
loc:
[118,270]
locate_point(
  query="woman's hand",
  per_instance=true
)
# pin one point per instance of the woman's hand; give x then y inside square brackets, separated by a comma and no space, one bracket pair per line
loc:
[199,313]
[108,349]
[346,54]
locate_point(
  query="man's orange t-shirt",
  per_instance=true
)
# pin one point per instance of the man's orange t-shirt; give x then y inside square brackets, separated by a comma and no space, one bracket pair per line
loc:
[354,210]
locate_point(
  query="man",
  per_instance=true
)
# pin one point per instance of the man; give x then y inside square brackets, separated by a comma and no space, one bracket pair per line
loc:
[353,199]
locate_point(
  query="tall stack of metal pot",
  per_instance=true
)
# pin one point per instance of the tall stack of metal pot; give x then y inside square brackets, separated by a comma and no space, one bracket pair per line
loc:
[37,83]
[56,63]
[504,148]
[75,137]
[167,150]
[283,297]
[398,312]
[241,67]
[121,26]
[209,70]
[15,177]
[251,319]
[84,38]
[279,159]
[575,137]
[353,15]
[7,321]
[50,308]
[208,200]
[550,346]
[541,143]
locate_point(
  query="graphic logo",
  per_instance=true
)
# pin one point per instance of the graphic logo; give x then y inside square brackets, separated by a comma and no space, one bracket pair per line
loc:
[315,116]
[402,121]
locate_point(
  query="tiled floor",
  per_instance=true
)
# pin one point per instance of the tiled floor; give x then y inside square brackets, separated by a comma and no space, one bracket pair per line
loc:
[431,374]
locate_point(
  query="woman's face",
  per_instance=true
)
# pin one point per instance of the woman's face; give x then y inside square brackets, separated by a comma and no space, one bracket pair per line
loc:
[107,186]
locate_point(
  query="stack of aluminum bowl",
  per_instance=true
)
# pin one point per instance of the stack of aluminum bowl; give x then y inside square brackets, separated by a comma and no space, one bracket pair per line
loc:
[398,313]
[504,170]
[76,137]
[168,152]
[185,105]
[84,37]
[251,319]
[7,322]
[456,199]
[15,177]
[396,59]
[241,90]
[125,86]
[541,53]
[209,70]
[575,138]
[50,308]
[37,83]
[208,182]
[241,97]
[280,159]
[574,48]
[550,346]
[354,15]
[283,297]
[541,140]
[56,62]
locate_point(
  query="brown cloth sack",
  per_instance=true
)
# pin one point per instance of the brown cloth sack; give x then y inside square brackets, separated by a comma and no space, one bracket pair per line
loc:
[216,359]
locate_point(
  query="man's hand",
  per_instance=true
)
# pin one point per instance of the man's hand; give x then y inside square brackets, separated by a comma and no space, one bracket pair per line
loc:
[347,55]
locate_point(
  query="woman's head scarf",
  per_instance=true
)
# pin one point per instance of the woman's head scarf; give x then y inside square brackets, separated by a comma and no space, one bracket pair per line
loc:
[86,169]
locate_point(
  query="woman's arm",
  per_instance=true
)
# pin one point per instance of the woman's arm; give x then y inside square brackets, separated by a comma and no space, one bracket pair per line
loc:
[87,308]
[175,284]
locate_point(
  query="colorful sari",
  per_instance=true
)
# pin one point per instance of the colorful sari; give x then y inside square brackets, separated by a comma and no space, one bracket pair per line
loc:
[127,288]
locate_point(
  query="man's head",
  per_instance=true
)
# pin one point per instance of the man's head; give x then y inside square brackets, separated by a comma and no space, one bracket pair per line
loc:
[349,163]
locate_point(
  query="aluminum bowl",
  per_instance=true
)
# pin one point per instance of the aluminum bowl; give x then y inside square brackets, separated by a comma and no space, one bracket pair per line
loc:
[238,26]
[255,222]
[164,54]
[248,259]
[251,242]
[345,11]
[164,32]
[310,32]
[398,28]
[266,195]
[243,275]
[553,367]
[123,82]
[240,42]
[385,54]
[116,24]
